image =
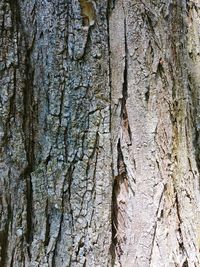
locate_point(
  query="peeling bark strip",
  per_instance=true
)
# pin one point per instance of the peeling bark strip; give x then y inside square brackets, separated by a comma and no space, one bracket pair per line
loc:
[99,133]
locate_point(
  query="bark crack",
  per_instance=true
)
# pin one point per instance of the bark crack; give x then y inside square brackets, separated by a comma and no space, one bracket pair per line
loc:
[29,136]
[120,189]
[120,185]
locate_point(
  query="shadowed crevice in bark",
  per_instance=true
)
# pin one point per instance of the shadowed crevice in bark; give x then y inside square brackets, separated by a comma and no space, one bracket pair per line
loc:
[180,117]
[23,75]
[16,22]
[195,120]
[124,114]
[196,143]
[120,190]
[66,196]
[113,244]
[181,240]
[120,185]
[29,129]
[48,226]
[4,237]
[185,264]
[6,200]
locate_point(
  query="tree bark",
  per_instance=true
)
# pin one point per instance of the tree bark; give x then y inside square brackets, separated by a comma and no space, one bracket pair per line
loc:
[99,133]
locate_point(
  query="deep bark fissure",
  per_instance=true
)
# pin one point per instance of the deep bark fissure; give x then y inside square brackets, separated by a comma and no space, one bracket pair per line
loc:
[118,212]
[120,185]
[48,225]
[195,121]
[118,207]
[4,237]
[28,129]
[125,74]
[114,184]
[16,22]
[124,114]
[14,67]
[196,143]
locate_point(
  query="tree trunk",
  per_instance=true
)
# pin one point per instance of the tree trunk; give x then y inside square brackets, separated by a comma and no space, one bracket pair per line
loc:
[99,133]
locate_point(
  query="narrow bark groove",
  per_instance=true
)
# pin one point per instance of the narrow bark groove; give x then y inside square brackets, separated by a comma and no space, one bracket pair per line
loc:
[120,191]
[120,185]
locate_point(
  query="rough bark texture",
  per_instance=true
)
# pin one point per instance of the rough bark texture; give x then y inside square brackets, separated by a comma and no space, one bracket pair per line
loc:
[155,111]
[99,132]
